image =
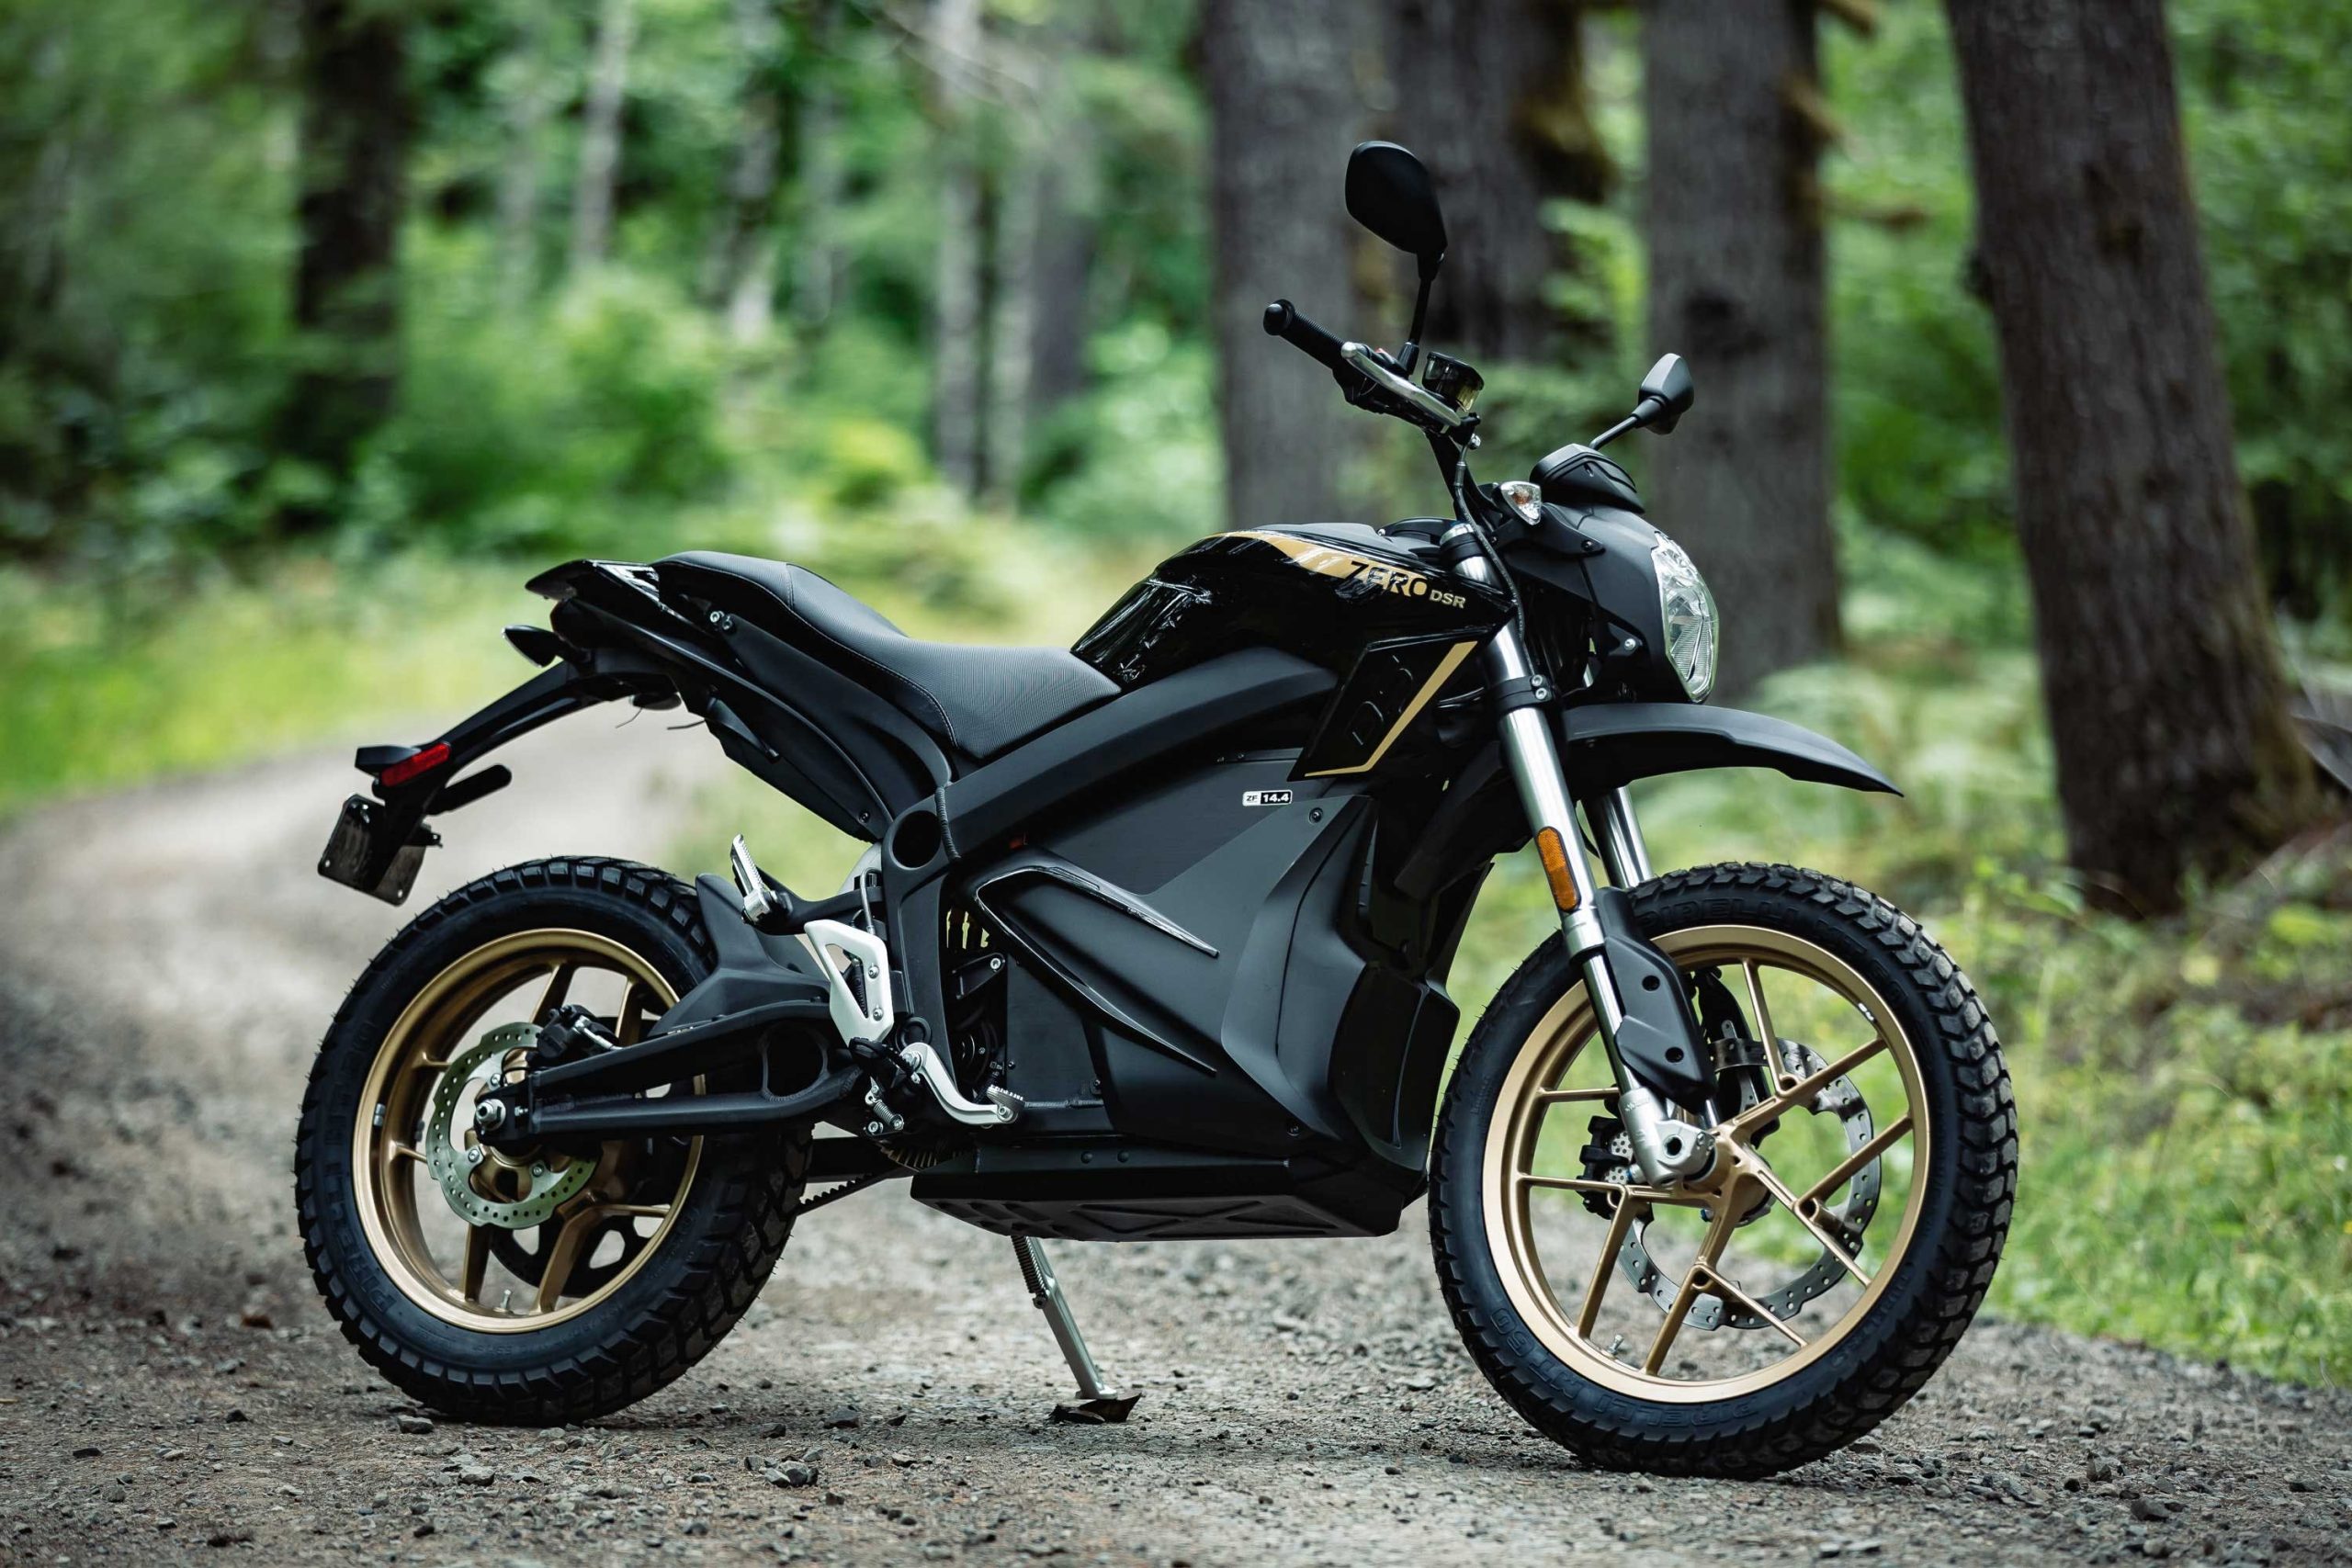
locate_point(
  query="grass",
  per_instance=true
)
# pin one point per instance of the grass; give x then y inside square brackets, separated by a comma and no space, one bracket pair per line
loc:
[99,690]
[103,688]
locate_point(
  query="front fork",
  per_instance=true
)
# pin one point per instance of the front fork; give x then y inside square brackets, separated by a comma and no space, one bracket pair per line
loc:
[1667,1148]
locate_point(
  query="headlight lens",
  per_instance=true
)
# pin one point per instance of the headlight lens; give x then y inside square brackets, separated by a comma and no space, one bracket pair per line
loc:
[1687,610]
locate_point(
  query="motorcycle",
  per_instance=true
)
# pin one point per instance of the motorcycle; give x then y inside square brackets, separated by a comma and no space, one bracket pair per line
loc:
[1150,941]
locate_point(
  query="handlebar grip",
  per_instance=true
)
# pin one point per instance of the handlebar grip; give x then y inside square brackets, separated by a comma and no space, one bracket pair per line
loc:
[1283,320]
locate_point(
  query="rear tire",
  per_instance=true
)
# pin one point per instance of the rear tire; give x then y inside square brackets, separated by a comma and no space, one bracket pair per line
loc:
[649,1317]
[1624,1416]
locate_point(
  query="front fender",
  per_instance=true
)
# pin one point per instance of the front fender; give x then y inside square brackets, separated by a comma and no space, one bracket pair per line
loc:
[1603,745]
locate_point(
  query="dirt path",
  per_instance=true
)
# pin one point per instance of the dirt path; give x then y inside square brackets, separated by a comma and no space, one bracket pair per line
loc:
[167,961]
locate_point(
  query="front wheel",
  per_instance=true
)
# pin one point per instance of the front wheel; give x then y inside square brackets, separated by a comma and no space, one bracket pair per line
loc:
[1787,1302]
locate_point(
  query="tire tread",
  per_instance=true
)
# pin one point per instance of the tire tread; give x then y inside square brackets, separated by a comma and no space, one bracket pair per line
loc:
[712,1280]
[1819,1415]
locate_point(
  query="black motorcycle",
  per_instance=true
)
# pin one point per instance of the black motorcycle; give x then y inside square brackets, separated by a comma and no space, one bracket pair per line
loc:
[1151,943]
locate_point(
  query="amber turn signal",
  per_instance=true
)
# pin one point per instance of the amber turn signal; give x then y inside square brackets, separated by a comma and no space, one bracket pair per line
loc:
[1555,854]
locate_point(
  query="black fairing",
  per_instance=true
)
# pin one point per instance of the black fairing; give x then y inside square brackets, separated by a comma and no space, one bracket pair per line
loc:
[1575,476]
[1321,591]
[1226,1007]
[1377,607]
[1594,585]
[796,722]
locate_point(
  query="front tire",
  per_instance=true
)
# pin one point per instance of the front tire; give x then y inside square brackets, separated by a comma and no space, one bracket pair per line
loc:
[1818,1309]
[557,1285]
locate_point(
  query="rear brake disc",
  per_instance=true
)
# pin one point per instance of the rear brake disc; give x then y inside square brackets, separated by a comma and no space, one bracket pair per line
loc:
[458,1159]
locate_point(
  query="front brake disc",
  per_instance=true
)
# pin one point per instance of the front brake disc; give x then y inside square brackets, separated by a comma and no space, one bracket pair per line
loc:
[456,1158]
[1837,1097]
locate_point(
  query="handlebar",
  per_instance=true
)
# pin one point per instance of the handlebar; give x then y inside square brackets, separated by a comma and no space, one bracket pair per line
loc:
[1283,320]
[1363,375]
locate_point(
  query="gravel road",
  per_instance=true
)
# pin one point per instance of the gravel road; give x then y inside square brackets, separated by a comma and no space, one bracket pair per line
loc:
[167,961]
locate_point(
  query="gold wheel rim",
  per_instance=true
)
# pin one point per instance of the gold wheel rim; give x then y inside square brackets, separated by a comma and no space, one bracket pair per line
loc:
[395,1191]
[1742,1174]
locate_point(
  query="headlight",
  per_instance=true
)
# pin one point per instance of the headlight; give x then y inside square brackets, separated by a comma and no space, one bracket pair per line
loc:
[1688,612]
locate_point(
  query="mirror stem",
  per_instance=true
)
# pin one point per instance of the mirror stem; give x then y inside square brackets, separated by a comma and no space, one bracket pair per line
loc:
[1412,349]
[1631,421]
[1643,412]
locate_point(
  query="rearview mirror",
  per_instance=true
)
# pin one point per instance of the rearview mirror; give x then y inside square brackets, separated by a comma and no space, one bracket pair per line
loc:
[1389,193]
[1666,389]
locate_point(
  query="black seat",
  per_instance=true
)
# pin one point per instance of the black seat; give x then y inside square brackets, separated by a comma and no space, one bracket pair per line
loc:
[976,700]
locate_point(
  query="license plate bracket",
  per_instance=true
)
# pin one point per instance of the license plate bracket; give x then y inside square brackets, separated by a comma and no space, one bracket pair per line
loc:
[357,855]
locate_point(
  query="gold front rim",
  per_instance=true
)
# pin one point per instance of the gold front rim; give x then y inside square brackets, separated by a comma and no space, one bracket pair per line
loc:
[484,1276]
[1637,1345]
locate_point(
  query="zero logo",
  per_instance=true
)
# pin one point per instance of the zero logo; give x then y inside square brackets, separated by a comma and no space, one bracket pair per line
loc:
[1265,797]
[1325,560]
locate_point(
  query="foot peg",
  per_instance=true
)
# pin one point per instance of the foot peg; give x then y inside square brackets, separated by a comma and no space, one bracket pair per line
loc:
[856,963]
[1000,1106]
[1098,1403]
[750,883]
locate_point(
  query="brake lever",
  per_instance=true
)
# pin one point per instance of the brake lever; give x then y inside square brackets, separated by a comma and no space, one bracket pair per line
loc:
[1421,406]
[1357,389]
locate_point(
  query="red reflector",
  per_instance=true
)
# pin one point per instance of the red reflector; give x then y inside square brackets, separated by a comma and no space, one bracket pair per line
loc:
[424,762]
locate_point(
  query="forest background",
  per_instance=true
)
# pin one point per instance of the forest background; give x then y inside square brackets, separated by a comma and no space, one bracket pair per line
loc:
[324,322]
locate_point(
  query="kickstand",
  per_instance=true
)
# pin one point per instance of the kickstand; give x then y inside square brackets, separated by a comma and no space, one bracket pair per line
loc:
[1098,1403]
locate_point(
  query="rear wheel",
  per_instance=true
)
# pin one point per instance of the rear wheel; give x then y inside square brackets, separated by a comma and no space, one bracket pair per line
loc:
[539,1285]
[1796,1297]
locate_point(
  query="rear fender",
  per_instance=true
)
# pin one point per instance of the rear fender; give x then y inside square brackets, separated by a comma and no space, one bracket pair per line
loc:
[378,843]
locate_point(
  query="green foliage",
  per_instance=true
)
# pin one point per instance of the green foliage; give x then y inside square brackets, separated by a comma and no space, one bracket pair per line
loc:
[556,432]
[2263,89]
[143,247]
[1136,454]
[2186,1113]
[146,233]
[1917,394]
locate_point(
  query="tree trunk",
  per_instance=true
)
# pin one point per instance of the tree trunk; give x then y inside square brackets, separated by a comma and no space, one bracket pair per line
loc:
[1284,110]
[530,101]
[1737,287]
[1059,278]
[1064,197]
[816,138]
[356,124]
[1494,102]
[1011,327]
[2175,749]
[600,134]
[741,276]
[954,47]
